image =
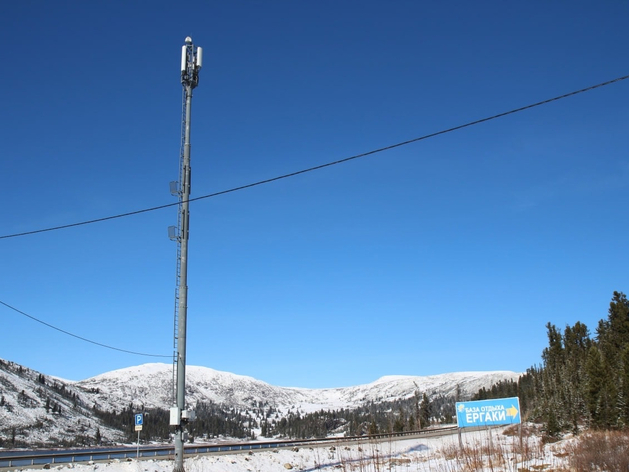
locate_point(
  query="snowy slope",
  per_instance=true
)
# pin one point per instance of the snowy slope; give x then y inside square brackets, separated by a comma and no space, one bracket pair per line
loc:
[395,387]
[44,410]
[40,409]
[151,385]
[427,454]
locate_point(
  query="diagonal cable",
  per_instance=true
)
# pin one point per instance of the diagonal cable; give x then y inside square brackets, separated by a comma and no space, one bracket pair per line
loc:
[80,337]
[329,164]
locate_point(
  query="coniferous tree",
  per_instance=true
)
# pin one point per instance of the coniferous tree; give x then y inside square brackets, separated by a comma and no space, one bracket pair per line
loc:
[416,404]
[612,339]
[424,412]
[613,333]
[552,427]
[595,376]
[411,422]
[576,345]
[398,424]
[373,428]
[553,355]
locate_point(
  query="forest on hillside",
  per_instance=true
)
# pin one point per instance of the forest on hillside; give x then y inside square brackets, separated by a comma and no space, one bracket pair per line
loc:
[213,421]
[583,381]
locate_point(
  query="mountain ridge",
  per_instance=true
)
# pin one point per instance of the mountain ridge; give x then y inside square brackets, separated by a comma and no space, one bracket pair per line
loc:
[233,390]
[38,408]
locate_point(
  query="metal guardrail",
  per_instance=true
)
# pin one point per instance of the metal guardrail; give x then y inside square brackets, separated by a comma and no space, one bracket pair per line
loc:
[15,459]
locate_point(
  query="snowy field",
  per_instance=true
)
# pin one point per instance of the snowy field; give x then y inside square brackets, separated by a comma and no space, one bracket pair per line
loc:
[482,451]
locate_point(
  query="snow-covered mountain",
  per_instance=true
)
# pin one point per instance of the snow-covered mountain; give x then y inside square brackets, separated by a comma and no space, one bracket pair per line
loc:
[151,385]
[40,409]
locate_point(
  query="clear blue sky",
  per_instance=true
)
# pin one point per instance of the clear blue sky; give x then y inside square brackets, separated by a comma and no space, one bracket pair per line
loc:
[450,254]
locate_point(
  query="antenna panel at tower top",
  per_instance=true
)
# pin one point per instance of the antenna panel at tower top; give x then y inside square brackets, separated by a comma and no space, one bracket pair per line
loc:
[184,59]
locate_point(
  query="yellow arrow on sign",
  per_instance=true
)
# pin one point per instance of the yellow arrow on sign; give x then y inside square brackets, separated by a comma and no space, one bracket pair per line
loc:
[512,411]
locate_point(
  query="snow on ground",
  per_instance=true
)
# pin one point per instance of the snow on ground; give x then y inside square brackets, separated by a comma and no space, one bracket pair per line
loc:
[439,454]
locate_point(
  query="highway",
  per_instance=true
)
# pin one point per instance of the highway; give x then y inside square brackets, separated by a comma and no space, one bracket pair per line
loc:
[10,460]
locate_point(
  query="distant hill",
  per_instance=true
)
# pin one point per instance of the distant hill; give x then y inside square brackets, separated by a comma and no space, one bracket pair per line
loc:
[41,410]
[38,410]
[151,386]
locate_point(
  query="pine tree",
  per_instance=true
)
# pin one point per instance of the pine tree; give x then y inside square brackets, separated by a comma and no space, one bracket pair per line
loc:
[373,428]
[398,424]
[553,355]
[411,423]
[596,397]
[576,341]
[552,427]
[553,378]
[416,404]
[613,333]
[612,338]
[424,412]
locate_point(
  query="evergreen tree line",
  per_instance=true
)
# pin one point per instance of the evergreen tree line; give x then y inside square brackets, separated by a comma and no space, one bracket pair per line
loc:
[583,381]
[410,414]
[212,420]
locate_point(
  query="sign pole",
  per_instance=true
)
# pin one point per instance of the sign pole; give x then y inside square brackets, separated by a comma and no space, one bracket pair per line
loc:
[460,440]
[520,428]
[139,421]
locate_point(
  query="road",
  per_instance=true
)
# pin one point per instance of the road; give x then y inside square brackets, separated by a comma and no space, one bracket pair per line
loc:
[10,460]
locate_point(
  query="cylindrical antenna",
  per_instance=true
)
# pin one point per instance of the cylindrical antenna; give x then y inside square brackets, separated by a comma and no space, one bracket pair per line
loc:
[199,57]
[184,58]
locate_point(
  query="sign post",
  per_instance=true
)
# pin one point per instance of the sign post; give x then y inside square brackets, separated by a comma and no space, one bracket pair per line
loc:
[139,421]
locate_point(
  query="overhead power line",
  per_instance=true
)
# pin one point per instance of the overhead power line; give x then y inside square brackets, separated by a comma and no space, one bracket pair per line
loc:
[80,337]
[329,164]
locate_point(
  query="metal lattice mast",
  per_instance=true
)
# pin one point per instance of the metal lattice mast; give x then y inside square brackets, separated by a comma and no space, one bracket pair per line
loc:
[174,232]
[191,60]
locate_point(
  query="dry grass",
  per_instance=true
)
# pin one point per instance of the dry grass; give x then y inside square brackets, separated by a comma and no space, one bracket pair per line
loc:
[594,451]
[600,450]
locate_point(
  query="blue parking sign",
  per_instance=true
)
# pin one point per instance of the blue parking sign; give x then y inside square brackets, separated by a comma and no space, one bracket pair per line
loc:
[139,419]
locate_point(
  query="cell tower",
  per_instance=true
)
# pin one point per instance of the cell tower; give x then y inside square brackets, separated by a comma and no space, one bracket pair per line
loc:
[191,59]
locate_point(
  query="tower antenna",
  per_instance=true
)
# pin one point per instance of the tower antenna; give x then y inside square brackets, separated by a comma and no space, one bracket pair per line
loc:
[191,61]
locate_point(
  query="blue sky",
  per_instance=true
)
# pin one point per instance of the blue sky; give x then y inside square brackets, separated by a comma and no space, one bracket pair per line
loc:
[445,255]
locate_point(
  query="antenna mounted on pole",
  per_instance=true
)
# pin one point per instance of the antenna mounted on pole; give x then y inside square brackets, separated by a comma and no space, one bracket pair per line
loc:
[191,61]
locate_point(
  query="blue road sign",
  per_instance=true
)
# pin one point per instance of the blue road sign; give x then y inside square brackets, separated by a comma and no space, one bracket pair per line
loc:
[488,412]
[139,419]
